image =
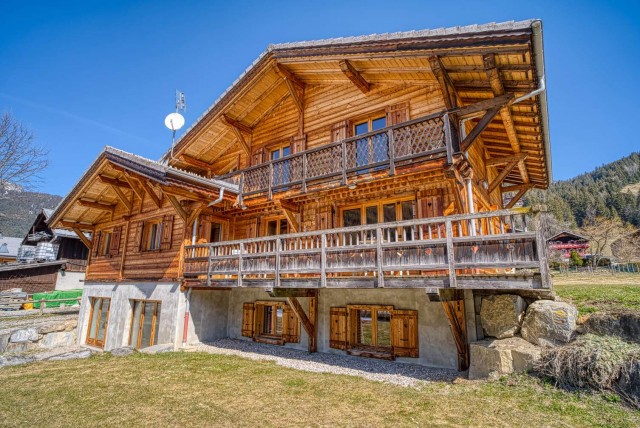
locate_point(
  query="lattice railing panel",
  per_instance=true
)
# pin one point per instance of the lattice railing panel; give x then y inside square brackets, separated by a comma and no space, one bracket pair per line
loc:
[324,161]
[256,179]
[419,137]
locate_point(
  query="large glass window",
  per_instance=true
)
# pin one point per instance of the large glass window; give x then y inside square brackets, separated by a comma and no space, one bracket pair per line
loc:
[144,324]
[281,170]
[373,148]
[98,321]
[379,212]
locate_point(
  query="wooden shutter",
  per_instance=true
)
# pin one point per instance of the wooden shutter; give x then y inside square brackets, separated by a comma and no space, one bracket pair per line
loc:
[298,144]
[257,156]
[115,241]
[430,206]
[138,238]
[167,232]
[247,319]
[96,243]
[258,320]
[252,229]
[338,328]
[323,220]
[397,113]
[290,325]
[404,333]
[340,131]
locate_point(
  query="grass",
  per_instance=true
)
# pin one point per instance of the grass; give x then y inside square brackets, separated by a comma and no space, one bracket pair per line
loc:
[593,293]
[194,389]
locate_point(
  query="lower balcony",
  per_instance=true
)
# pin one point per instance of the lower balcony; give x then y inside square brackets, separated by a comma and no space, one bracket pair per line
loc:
[484,250]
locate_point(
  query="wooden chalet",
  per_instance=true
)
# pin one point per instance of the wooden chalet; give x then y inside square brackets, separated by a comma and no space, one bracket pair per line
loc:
[566,242]
[343,195]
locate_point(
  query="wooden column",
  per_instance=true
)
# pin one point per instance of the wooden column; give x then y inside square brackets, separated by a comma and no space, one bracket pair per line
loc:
[453,305]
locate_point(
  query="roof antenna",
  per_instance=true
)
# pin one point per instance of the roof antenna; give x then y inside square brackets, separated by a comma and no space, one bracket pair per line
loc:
[175,121]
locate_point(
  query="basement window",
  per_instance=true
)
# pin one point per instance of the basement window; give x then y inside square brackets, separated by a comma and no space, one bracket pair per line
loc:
[144,323]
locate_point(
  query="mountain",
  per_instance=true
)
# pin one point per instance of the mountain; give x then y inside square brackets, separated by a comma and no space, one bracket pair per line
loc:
[609,190]
[18,210]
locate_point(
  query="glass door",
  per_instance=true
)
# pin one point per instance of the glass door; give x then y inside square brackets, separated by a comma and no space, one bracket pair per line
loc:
[98,321]
[144,324]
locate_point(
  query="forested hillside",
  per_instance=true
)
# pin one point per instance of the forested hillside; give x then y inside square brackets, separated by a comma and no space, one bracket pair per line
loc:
[610,190]
[18,210]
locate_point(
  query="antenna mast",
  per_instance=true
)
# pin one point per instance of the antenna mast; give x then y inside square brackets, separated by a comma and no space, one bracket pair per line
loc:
[175,121]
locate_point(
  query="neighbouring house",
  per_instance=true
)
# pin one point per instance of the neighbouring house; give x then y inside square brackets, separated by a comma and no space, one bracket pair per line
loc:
[343,196]
[8,249]
[46,259]
[565,242]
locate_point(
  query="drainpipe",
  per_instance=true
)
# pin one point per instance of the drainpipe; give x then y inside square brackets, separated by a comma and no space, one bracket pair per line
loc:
[185,330]
[217,201]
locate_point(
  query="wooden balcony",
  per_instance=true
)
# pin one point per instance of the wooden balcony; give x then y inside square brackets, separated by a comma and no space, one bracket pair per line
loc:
[485,250]
[347,161]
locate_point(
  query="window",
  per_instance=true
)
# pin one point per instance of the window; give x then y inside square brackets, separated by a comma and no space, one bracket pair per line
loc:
[216,232]
[281,170]
[98,320]
[270,322]
[374,148]
[373,327]
[379,212]
[277,226]
[152,235]
[144,323]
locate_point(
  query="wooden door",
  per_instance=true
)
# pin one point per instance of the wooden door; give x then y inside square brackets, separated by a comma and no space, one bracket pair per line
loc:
[98,321]
[404,333]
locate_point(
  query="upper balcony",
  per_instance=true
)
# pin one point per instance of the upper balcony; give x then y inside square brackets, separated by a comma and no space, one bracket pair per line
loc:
[484,250]
[350,160]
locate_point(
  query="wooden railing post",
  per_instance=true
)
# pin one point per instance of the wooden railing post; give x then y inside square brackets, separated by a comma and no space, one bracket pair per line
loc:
[323,260]
[379,257]
[241,190]
[448,138]
[541,250]
[344,163]
[276,281]
[392,162]
[450,254]
[270,193]
[241,250]
[304,173]
[210,248]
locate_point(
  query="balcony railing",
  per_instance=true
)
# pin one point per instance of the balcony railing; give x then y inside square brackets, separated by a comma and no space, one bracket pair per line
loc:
[428,137]
[443,252]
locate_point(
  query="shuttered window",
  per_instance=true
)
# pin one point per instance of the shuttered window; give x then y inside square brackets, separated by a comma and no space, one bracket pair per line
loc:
[271,322]
[404,333]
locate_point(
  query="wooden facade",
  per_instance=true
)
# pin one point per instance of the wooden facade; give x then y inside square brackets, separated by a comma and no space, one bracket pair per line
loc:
[375,162]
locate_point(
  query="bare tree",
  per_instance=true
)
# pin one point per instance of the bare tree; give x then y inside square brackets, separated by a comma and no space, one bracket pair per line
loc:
[21,160]
[602,232]
[627,247]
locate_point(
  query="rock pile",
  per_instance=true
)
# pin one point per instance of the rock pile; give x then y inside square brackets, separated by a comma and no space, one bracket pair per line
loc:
[54,334]
[515,334]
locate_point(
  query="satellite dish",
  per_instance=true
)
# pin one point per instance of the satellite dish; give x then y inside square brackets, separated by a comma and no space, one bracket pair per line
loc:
[174,121]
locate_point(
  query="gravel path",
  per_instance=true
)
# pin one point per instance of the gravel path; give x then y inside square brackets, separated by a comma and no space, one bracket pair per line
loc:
[372,369]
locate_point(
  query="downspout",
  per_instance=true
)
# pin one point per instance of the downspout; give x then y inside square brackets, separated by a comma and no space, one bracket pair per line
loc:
[217,201]
[185,330]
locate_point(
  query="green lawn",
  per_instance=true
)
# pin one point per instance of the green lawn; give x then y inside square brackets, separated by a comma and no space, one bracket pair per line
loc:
[195,389]
[599,293]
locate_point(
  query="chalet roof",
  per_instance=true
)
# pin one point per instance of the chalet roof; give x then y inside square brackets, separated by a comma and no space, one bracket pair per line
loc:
[452,40]
[567,234]
[22,266]
[9,246]
[154,170]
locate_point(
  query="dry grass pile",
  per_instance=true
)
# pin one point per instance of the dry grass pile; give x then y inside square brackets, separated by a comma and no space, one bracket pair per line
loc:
[600,363]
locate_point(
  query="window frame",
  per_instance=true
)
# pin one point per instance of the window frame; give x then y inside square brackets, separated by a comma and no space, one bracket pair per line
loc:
[94,341]
[147,236]
[354,310]
[105,243]
[154,323]
[273,333]
[278,220]
[380,207]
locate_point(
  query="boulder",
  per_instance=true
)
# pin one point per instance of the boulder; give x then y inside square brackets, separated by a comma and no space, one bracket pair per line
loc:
[4,340]
[122,352]
[501,315]
[73,355]
[66,325]
[15,360]
[157,349]
[623,324]
[549,323]
[59,339]
[492,358]
[15,348]
[24,335]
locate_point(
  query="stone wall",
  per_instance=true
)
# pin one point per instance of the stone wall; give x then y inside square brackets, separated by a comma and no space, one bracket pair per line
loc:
[43,335]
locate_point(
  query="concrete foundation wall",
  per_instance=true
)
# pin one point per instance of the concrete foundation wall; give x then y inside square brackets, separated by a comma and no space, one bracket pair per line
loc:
[171,313]
[69,280]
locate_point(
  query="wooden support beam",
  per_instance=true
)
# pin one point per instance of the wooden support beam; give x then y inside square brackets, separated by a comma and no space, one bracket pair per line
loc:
[122,197]
[289,212]
[237,129]
[308,326]
[505,113]
[293,292]
[313,317]
[294,84]
[86,241]
[517,196]
[457,195]
[475,108]
[146,186]
[453,305]
[77,225]
[480,126]
[505,159]
[354,75]
[137,190]
[196,162]
[96,205]
[447,87]
[114,181]
[515,188]
[503,174]
[179,209]
[195,212]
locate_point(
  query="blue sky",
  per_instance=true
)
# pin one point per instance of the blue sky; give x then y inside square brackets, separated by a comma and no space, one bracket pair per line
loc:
[87,74]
